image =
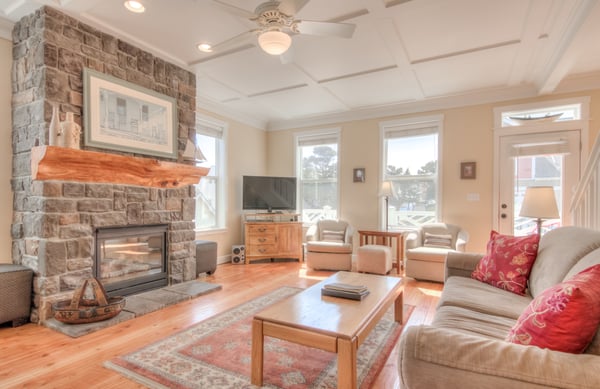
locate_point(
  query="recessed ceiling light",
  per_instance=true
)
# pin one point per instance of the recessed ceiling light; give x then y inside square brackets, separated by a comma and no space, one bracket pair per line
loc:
[206,47]
[134,6]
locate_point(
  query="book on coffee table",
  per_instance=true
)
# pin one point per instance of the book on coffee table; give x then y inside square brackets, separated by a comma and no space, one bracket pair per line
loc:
[354,292]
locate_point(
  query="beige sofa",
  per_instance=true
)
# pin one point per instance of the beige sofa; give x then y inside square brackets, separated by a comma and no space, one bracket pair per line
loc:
[464,347]
[426,261]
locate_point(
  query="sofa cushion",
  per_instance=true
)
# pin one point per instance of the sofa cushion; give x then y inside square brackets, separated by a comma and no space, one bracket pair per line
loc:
[565,317]
[480,297]
[471,322]
[508,261]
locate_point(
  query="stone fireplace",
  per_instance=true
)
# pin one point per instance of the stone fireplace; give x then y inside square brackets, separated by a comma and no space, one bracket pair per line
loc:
[55,221]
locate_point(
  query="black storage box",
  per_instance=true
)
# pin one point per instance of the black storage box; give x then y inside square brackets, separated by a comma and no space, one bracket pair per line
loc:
[206,257]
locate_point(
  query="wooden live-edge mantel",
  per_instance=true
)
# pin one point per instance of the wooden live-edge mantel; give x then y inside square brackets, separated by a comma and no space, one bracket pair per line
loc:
[65,164]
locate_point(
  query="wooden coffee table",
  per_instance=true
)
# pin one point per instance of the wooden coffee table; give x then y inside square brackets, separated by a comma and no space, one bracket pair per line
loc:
[328,323]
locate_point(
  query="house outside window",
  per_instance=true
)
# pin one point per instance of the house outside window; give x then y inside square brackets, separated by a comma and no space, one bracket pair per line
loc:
[317,161]
[210,191]
[411,163]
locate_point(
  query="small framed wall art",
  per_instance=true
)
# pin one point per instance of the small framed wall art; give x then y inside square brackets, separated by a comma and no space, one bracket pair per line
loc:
[359,175]
[468,170]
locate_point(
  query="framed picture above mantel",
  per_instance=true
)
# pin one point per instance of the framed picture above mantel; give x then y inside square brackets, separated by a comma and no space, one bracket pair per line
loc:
[119,115]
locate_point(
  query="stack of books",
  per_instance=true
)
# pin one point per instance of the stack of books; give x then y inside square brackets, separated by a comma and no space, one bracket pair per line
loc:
[348,291]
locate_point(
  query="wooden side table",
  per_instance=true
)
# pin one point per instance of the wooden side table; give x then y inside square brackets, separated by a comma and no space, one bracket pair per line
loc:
[384,238]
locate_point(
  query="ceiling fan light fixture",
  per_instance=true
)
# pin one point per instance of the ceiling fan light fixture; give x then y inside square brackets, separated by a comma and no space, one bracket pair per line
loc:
[205,47]
[134,6]
[274,42]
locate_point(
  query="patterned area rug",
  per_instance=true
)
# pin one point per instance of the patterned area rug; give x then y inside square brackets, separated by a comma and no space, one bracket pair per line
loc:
[215,353]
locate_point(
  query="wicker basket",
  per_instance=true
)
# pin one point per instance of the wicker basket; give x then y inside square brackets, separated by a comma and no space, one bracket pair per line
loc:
[82,310]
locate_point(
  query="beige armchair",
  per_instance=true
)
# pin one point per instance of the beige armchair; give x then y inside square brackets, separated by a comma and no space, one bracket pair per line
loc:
[427,248]
[329,245]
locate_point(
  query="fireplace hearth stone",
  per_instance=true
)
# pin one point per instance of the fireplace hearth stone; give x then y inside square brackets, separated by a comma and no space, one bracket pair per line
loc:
[138,305]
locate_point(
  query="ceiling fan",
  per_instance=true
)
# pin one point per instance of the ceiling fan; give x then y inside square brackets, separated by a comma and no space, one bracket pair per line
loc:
[276,24]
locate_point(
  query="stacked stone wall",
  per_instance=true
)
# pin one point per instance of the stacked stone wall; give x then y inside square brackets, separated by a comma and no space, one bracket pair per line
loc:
[54,221]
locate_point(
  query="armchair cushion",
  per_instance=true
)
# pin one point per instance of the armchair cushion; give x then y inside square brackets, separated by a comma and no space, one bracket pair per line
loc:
[333,236]
[438,240]
[329,247]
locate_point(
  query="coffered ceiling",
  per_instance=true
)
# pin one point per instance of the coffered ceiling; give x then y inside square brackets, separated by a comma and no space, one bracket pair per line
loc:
[404,56]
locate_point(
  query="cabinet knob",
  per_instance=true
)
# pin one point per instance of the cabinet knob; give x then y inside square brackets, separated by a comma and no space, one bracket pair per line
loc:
[262,229]
[261,240]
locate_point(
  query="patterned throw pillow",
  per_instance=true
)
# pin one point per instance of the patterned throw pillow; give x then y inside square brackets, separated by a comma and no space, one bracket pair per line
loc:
[333,236]
[564,317]
[508,261]
[438,240]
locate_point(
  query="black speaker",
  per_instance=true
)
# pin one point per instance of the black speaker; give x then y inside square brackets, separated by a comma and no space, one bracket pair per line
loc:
[238,254]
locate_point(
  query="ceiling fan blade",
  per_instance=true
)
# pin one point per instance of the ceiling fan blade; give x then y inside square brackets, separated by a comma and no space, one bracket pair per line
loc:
[291,7]
[232,9]
[238,39]
[342,30]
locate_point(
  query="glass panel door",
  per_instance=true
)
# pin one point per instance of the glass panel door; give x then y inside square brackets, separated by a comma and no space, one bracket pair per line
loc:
[542,159]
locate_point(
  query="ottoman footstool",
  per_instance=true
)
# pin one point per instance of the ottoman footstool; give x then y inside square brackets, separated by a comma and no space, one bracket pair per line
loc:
[373,258]
[15,294]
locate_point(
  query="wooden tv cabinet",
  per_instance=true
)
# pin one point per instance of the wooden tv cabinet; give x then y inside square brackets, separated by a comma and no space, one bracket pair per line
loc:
[272,236]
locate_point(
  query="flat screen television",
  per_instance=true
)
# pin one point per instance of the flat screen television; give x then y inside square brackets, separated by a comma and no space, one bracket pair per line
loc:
[269,193]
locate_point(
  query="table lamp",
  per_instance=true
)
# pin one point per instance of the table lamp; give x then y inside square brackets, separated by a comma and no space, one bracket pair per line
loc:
[386,191]
[539,203]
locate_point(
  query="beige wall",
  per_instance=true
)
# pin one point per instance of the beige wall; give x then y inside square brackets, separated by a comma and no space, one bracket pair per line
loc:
[6,213]
[467,136]
[246,154]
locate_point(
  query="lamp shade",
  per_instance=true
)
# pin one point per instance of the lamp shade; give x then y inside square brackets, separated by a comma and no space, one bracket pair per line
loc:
[274,42]
[540,203]
[386,189]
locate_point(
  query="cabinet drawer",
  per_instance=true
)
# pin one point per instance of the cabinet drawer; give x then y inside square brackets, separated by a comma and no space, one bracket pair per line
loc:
[262,239]
[258,229]
[261,249]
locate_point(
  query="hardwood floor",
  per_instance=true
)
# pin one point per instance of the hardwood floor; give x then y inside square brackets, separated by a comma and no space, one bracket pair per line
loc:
[33,356]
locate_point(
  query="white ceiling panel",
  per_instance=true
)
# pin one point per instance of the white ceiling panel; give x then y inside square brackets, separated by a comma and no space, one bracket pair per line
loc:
[307,101]
[252,71]
[214,90]
[379,88]
[469,72]
[326,58]
[430,29]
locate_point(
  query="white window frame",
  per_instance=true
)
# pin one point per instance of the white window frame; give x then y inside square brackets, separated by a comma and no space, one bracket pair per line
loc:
[412,124]
[208,126]
[316,135]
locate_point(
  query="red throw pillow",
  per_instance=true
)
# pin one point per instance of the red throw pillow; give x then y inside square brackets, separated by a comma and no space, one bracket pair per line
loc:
[564,317]
[508,261]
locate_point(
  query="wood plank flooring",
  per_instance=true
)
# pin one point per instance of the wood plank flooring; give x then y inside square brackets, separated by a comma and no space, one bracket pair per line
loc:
[33,356]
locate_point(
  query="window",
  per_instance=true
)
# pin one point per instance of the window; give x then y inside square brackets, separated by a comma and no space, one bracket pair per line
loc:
[210,192]
[411,155]
[317,172]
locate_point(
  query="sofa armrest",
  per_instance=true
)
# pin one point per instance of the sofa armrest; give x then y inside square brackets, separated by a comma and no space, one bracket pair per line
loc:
[432,357]
[461,264]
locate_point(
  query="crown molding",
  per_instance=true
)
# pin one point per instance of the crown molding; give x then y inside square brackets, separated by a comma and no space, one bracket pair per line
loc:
[433,104]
